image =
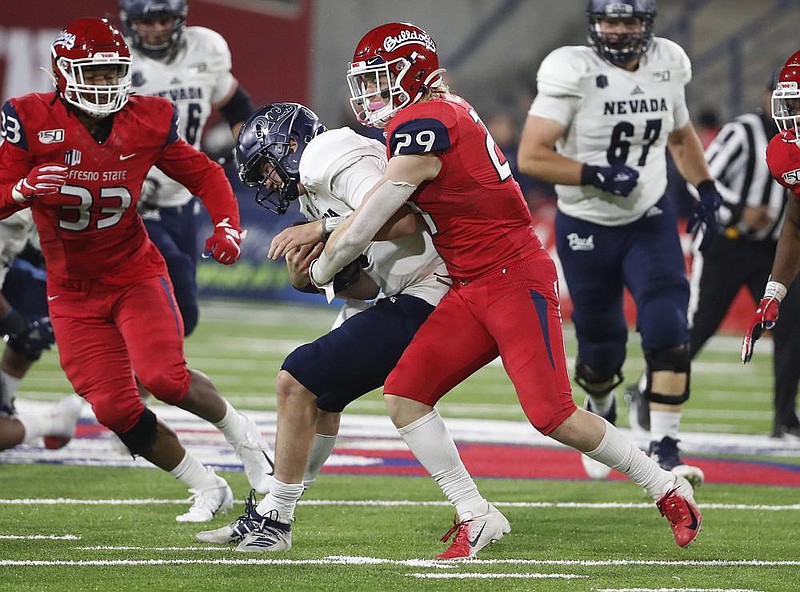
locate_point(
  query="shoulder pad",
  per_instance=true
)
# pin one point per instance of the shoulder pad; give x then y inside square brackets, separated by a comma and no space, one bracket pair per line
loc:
[671,55]
[330,152]
[11,127]
[561,72]
[422,128]
[209,46]
[783,160]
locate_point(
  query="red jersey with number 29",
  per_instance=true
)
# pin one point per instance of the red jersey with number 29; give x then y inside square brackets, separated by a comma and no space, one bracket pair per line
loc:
[474,207]
[91,229]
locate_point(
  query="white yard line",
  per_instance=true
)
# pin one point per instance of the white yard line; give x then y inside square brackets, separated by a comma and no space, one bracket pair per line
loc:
[398,503]
[415,563]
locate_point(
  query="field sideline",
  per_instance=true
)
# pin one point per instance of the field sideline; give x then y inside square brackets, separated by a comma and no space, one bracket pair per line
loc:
[70,526]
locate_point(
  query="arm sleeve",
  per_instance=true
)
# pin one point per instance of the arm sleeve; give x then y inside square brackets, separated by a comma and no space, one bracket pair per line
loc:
[353,183]
[349,241]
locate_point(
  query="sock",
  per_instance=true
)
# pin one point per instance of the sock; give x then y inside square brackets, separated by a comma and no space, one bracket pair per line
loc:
[665,423]
[430,441]
[232,425]
[10,385]
[601,405]
[282,498]
[619,453]
[34,426]
[192,473]
[320,452]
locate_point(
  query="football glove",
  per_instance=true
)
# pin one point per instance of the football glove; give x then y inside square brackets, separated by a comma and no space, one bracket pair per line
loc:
[764,318]
[349,274]
[617,179]
[37,337]
[225,244]
[704,216]
[44,179]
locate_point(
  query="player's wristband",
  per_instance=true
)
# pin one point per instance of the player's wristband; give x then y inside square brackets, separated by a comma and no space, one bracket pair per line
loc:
[589,174]
[775,290]
[330,224]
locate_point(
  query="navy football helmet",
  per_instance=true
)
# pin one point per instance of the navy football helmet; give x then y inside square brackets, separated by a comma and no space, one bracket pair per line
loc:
[131,11]
[268,151]
[619,49]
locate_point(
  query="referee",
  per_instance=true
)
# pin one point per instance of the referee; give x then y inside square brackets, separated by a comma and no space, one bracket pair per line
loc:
[750,219]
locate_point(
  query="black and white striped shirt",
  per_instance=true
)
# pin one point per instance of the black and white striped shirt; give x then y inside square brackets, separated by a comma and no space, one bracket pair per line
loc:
[737,160]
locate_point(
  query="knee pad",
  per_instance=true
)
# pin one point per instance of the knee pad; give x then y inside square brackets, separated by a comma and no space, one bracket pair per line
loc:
[595,383]
[672,359]
[141,438]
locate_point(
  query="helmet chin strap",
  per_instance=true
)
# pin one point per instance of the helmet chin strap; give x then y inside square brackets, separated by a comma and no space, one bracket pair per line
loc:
[432,80]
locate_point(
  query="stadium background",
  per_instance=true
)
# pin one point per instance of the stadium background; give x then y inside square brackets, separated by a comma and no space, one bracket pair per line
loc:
[298,50]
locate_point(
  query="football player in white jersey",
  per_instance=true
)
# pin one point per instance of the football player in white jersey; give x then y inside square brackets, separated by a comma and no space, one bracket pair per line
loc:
[283,151]
[598,130]
[191,66]
[27,333]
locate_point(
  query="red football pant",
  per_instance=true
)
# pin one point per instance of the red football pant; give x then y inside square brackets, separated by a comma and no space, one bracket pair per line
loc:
[106,334]
[513,312]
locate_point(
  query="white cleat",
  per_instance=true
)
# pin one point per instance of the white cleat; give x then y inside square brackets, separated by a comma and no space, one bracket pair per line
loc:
[474,534]
[63,419]
[256,457]
[217,498]
[268,536]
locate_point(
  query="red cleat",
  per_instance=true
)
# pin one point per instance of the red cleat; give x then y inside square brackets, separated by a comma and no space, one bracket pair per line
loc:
[474,534]
[678,507]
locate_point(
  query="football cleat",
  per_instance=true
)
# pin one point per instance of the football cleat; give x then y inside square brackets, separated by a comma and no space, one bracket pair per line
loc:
[256,457]
[472,535]
[208,501]
[63,419]
[236,530]
[595,469]
[683,515]
[666,454]
[269,536]
[638,409]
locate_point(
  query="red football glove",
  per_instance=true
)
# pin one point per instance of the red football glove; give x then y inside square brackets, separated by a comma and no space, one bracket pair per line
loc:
[763,320]
[44,179]
[224,244]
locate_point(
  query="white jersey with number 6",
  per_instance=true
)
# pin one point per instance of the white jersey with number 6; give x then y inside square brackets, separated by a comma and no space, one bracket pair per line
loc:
[197,78]
[613,116]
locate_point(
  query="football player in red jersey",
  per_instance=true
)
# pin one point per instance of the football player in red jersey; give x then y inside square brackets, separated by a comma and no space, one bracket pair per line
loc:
[77,157]
[783,160]
[503,299]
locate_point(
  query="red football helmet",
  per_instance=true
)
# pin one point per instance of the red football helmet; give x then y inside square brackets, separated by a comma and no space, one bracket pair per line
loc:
[83,48]
[786,99]
[393,66]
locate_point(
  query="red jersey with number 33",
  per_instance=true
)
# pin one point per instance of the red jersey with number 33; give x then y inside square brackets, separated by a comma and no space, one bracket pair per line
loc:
[477,214]
[91,229]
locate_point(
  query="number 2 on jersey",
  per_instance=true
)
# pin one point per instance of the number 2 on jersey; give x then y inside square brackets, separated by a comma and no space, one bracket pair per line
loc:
[503,168]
